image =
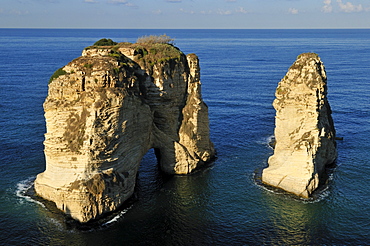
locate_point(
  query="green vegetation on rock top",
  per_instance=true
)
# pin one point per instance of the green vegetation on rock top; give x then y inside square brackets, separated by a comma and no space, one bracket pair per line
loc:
[56,74]
[105,42]
[157,52]
[148,50]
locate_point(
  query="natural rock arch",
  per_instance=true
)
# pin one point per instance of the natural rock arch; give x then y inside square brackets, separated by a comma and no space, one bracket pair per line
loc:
[106,111]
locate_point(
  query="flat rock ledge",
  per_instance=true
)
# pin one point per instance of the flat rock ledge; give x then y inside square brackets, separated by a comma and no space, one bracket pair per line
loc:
[105,110]
[304,129]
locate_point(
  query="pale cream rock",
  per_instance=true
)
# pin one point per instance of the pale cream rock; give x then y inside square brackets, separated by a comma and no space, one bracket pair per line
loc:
[106,112]
[304,131]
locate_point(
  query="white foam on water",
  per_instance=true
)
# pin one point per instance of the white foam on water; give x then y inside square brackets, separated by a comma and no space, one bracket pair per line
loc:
[266,140]
[22,188]
[320,196]
[117,217]
[270,140]
[57,224]
[265,188]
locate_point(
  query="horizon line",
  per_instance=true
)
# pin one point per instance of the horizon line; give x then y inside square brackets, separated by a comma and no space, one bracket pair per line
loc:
[130,28]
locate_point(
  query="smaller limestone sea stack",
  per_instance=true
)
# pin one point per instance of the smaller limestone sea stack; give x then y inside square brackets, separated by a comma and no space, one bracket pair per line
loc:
[106,109]
[304,129]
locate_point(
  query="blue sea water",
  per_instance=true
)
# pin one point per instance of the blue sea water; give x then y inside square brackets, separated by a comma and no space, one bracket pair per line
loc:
[221,204]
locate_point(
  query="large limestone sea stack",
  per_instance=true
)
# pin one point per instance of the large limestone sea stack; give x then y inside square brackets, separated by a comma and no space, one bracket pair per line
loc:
[304,132]
[106,109]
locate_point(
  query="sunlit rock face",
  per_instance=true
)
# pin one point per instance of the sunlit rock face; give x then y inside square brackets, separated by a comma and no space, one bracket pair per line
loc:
[304,129]
[105,110]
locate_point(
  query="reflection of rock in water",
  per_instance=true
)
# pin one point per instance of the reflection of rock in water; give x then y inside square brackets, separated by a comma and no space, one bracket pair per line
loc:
[293,222]
[304,132]
[187,220]
[105,110]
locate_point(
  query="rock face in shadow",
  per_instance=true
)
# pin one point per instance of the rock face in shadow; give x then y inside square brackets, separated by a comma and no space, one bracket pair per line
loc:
[105,110]
[304,129]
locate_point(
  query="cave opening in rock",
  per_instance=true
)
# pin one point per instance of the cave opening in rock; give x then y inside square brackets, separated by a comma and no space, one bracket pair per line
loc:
[150,178]
[157,153]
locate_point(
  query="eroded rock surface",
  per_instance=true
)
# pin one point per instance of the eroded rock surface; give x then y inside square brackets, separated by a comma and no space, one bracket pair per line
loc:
[304,131]
[106,110]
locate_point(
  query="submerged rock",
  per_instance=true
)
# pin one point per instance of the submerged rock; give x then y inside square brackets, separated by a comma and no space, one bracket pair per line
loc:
[105,110]
[304,129]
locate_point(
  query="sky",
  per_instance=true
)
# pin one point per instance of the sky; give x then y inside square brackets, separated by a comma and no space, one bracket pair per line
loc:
[188,14]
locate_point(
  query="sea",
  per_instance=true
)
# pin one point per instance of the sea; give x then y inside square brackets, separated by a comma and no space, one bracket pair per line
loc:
[223,203]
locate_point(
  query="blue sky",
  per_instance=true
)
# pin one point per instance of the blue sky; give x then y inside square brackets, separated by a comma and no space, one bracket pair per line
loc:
[184,14]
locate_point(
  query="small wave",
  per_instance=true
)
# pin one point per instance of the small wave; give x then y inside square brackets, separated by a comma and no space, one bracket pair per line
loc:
[268,141]
[319,196]
[117,217]
[258,182]
[57,224]
[23,187]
